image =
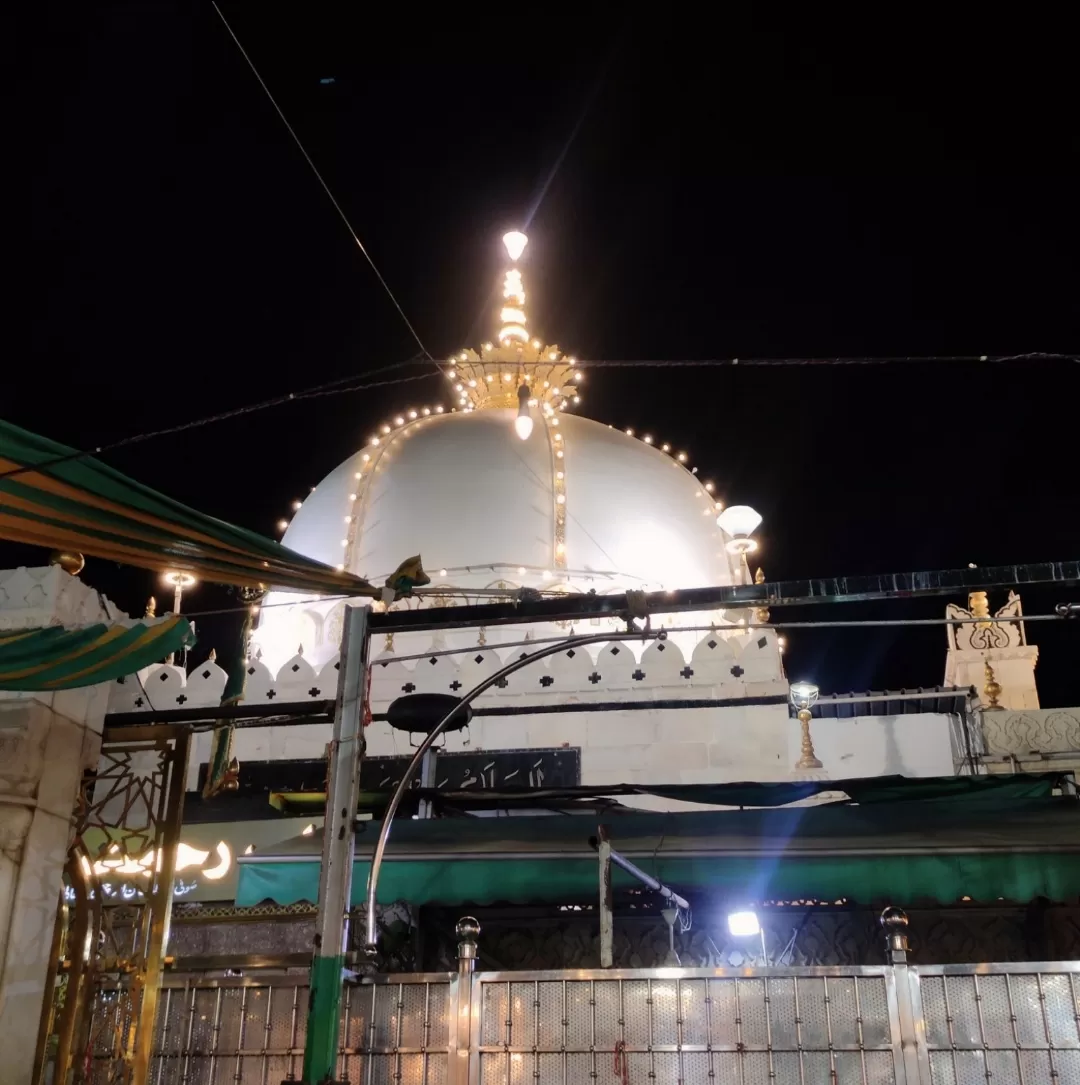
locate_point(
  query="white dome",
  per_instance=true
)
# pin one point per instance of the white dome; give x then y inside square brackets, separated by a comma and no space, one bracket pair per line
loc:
[481,507]
[464,492]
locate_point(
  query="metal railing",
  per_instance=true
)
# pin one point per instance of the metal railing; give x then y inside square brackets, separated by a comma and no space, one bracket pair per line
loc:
[892,1024]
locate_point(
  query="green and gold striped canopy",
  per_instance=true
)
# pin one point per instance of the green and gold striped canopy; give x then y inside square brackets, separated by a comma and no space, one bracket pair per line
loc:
[51,496]
[57,658]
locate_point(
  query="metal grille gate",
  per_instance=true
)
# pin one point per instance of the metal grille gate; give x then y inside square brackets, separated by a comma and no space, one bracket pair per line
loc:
[675,1026]
[1001,1024]
[888,1025]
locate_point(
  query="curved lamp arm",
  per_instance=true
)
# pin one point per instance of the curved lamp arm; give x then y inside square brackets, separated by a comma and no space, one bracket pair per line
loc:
[370,947]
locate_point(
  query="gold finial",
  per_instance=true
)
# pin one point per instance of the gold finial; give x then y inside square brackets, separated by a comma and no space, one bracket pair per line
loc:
[979,605]
[481,637]
[991,690]
[516,370]
[389,645]
[71,561]
[212,657]
[151,608]
[512,313]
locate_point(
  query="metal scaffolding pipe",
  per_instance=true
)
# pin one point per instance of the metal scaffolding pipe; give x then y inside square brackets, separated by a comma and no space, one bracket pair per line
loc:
[843,589]
[645,879]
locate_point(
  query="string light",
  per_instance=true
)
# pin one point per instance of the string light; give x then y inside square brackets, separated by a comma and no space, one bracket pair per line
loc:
[523,423]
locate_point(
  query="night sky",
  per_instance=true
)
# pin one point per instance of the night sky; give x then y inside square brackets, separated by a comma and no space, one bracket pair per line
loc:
[715,186]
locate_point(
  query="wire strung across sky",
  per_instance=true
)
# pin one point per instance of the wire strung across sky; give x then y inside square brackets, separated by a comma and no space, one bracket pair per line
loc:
[360,382]
[325,186]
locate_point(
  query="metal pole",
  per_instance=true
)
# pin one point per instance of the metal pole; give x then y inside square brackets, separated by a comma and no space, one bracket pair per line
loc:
[335,876]
[890,587]
[427,782]
[467,931]
[370,946]
[159,904]
[607,916]
[648,880]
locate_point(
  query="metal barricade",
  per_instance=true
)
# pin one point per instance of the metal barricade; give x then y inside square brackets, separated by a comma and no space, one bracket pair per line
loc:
[1009,1024]
[894,1024]
[679,1026]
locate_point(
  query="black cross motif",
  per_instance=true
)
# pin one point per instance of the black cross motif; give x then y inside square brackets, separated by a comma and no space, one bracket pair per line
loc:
[294,668]
[762,642]
[271,694]
[138,702]
[408,687]
[638,675]
[594,677]
[502,683]
[711,643]
[314,691]
[206,673]
[455,685]
[686,672]
[571,653]
[546,680]
[163,677]
[478,659]
[181,699]
[737,671]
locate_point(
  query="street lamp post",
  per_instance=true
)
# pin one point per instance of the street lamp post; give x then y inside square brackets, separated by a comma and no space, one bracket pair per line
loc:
[371,945]
[179,581]
[803,697]
[739,522]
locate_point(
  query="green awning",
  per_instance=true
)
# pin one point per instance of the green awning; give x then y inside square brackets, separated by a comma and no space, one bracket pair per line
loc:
[69,501]
[57,658]
[938,850]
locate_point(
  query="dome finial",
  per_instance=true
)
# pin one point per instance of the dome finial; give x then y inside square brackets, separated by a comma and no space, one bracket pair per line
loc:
[494,375]
[512,314]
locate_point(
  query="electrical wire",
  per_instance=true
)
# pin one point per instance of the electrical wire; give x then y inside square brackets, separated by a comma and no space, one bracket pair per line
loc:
[674,363]
[343,386]
[331,388]
[325,186]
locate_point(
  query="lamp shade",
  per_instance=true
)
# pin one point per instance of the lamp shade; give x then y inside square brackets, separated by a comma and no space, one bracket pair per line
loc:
[804,694]
[739,520]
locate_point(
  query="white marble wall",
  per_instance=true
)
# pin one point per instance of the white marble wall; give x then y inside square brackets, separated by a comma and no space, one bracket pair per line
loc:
[637,745]
[46,742]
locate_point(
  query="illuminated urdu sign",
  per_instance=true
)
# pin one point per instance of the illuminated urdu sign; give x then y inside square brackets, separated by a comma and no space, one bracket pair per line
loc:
[119,874]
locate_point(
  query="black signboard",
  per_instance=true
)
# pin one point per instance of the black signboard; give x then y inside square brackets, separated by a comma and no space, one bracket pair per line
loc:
[461,771]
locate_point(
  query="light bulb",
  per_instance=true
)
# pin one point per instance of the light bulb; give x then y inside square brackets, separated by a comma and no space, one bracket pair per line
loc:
[515,242]
[523,423]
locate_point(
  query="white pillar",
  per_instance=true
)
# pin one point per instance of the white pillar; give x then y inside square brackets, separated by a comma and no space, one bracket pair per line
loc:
[47,740]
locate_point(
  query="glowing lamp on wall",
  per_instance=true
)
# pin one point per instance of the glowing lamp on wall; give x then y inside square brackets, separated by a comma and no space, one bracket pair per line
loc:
[740,522]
